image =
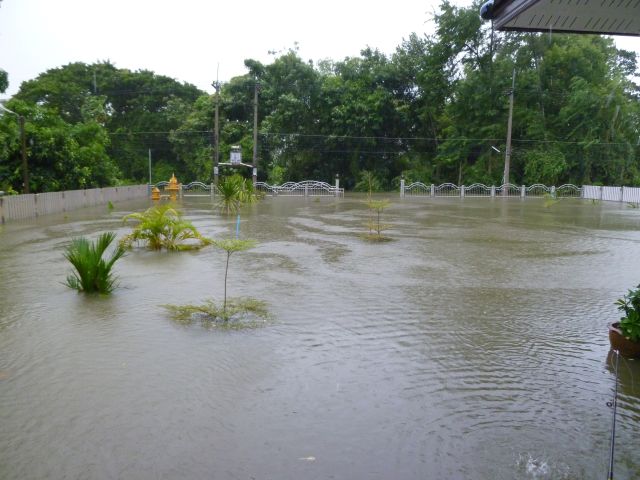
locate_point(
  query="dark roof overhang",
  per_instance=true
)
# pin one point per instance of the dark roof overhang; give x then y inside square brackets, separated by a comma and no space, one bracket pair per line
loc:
[608,17]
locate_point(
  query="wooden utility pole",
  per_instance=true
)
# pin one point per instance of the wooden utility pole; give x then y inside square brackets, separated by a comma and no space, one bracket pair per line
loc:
[25,165]
[507,153]
[216,134]
[254,163]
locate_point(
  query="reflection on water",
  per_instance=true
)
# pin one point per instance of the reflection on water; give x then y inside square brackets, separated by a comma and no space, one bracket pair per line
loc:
[472,346]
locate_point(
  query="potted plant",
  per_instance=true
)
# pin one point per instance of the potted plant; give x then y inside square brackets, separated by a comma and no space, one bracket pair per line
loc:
[624,335]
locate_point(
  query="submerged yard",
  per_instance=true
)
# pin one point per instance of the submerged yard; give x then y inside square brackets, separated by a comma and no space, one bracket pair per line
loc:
[474,345]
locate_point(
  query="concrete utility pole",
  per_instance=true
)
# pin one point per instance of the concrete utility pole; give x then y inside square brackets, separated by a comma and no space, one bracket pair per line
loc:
[216,134]
[254,163]
[507,153]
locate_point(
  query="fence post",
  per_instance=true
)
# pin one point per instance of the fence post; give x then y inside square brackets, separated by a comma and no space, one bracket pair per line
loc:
[601,192]
[306,190]
[433,190]
[461,191]
[337,185]
[622,194]
[1,210]
[522,191]
[212,190]
[553,191]
[493,190]
[402,187]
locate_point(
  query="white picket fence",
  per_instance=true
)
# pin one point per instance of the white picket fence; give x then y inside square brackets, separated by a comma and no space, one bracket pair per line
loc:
[19,207]
[306,188]
[419,189]
[612,194]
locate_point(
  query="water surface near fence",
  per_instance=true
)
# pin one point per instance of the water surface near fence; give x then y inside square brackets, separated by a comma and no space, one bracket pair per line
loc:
[471,346]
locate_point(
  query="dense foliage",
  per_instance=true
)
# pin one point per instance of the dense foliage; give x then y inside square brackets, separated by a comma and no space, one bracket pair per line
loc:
[431,111]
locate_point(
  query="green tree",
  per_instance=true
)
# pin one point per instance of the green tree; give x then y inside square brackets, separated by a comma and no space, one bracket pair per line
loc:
[4,81]
[62,156]
[138,109]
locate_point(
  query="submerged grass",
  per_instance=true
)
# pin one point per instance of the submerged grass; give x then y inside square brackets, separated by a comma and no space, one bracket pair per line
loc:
[375,238]
[239,313]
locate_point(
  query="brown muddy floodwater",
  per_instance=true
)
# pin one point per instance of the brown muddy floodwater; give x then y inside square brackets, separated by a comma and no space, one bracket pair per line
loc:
[473,346]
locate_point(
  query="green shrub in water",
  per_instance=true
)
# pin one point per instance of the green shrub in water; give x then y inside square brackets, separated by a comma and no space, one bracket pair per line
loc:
[161,227]
[235,192]
[92,272]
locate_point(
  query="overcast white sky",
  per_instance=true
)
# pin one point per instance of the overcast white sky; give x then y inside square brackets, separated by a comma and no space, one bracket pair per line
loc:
[187,39]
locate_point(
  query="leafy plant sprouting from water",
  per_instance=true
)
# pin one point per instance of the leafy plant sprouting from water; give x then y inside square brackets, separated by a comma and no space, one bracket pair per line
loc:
[630,323]
[550,199]
[235,191]
[92,272]
[231,245]
[376,207]
[210,313]
[162,226]
[375,227]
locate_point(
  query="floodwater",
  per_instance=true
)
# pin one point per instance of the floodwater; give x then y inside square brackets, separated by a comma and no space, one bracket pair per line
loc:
[472,346]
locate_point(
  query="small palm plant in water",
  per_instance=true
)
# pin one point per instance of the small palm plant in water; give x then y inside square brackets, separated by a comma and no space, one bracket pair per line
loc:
[235,192]
[212,314]
[92,272]
[161,227]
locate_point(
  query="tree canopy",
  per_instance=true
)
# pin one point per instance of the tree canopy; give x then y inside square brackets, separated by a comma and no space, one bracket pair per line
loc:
[431,111]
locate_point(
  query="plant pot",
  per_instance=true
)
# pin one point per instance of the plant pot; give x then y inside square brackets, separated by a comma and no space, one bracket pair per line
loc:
[619,342]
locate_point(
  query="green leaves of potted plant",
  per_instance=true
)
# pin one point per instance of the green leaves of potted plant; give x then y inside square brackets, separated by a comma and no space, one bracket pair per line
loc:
[624,335]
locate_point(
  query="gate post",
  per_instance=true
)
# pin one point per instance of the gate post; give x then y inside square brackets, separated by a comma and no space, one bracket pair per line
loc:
[522,191]
[337,185]
[461,191]
[493,190]
[402,187]
[433,190]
